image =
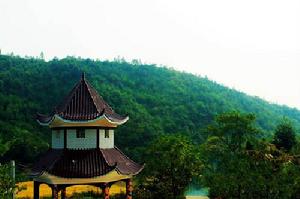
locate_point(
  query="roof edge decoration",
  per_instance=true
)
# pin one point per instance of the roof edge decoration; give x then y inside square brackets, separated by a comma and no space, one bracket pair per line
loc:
[49,120]
[82,105]
[112,176]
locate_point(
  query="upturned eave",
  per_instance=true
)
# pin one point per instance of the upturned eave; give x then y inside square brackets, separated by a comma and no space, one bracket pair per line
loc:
[101,121]
[112,176]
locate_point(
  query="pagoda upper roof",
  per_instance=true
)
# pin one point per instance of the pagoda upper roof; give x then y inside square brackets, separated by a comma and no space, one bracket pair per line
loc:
[76,163]
[83,103]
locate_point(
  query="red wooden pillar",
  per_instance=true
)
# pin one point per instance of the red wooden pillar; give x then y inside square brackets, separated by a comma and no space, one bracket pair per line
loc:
[54,192]
[106,191]
[36,190]
[129,189]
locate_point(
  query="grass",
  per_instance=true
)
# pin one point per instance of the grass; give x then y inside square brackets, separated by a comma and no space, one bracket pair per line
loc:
[45,191]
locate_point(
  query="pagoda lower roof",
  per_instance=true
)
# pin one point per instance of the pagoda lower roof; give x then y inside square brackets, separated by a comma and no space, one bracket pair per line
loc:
[87,163]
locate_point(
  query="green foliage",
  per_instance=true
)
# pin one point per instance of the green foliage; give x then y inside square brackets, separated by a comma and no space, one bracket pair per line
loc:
[285,136]
[236,160]
[235,170]
[234,129]
[157,99]
[172,162]
[7,185]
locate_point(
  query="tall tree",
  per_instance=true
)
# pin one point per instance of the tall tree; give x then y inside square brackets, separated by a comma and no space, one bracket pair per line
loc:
[285,136]
[224,154]
[172,162]
[235,129]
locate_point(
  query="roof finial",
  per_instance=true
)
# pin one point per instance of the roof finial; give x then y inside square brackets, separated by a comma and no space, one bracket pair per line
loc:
[82,75]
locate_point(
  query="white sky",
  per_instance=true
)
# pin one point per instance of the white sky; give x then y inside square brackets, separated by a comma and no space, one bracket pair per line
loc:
[253,45]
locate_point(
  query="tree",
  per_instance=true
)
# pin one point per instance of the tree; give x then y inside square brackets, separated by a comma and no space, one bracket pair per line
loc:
[285,136]
[42,55]
[172,163]
[235,129]
[224,155]
[239,165]
[7,185]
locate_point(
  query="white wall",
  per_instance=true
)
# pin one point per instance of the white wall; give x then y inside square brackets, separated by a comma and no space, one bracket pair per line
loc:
[81,143]
[57,139]
[106,143]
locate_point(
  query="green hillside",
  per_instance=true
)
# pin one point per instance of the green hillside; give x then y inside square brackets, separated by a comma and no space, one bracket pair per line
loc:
[158,100]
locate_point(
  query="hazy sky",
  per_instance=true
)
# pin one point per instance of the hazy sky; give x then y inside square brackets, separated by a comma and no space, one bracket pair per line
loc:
[253,45]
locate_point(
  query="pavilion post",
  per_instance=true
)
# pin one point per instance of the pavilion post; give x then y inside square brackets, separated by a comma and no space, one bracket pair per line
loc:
[129,189]
[36,190]
[54,191]
[106,191]
[63,193]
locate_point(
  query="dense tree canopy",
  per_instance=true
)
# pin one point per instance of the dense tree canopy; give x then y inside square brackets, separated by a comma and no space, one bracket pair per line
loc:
[158,101]
[232,169]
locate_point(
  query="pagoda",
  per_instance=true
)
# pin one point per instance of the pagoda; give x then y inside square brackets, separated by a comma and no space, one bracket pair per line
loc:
[82,149]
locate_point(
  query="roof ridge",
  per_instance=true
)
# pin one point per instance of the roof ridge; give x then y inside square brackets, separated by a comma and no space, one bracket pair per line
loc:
[104,157]
[89,87]
[122,153]
[86,83]
[141,166]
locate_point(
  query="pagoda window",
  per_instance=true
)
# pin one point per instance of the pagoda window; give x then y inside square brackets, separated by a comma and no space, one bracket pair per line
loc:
[80,133]
[106,133]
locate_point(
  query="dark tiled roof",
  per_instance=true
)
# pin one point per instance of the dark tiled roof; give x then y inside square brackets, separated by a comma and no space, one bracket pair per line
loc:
[83,103]
[44,118]
[124,164]
[88,163]
[46,161]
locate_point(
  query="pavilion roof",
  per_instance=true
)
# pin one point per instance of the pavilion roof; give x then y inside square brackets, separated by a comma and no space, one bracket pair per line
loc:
[76,163]
[83,103]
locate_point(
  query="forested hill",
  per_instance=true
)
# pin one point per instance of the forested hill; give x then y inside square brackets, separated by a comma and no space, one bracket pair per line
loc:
[157,99]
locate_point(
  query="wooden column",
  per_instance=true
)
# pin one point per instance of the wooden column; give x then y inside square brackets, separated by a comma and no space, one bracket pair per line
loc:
[63,193]
[54,192]
[129,189]
[65,138]
[106,191]
[97,138]
[36,190]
